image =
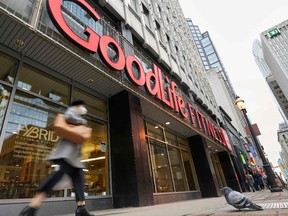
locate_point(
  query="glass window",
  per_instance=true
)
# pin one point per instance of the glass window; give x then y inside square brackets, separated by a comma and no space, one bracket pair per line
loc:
[155,131]
[187,161]
[23,10]
[171,138]
[177,170]
[183,143]
[95,106]
[160,166]
[4,99]
[7,68]
[212,58]
[96,158]
[205,41]
[209,49]
[35,81]
[133,4]
[146,16]
[177,163]
[28,140]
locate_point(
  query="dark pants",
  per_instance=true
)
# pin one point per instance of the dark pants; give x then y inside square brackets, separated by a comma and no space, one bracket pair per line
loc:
[76,175]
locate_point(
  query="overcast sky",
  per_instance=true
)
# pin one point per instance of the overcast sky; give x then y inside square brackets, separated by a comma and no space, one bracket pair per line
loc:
[233,26]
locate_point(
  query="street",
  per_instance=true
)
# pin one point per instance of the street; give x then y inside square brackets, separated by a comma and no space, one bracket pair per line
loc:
[273,204]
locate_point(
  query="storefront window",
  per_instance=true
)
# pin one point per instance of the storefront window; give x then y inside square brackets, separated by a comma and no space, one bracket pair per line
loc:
[172,171]
[161,169]
[177,170]
[4,99]
[35,81]
[96,160]
[218,170]
[7,68]
[171,138]
[155,131]
[95,106]
[28,140]
[187,161]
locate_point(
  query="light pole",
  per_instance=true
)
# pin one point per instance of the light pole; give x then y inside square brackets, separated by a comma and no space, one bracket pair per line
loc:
[266,165]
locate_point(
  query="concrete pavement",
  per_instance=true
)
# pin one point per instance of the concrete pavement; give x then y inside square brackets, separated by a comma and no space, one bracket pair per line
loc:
[273,204]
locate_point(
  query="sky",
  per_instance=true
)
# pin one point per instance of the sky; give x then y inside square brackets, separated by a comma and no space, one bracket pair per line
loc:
[233,26]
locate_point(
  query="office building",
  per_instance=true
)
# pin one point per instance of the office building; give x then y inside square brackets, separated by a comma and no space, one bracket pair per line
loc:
[158,133]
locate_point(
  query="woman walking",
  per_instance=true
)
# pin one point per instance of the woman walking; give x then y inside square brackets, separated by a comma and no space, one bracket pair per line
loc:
[68,156]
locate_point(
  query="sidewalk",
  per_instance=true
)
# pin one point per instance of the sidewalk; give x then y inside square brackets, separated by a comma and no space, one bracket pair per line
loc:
[273,204]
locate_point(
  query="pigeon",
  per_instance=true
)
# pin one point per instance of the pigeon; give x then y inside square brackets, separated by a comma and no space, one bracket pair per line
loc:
[238,200]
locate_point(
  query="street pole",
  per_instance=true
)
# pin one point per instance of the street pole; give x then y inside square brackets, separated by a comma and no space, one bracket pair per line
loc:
[266,165]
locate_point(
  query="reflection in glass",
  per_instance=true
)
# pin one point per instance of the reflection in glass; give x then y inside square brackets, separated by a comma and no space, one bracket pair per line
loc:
[96,158]
[35,81]
[178,161]
[4,99]
[187,161]
[177,170]
[161,168]
[29,138]
[94,105]
[171,138]
[155,131]
[8,68]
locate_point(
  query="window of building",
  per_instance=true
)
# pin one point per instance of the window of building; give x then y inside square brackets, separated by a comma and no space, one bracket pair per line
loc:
[161,171]
[4,99]
[205,41]
[133,4]
[170,159]
[209,49]
[160,32]
[95,106]
[146,16]
[8,68]
[29,138]
[33,80]
[212,58]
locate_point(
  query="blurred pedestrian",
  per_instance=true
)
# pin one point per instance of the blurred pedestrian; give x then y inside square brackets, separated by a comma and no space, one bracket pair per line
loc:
[250,181]
[68,155]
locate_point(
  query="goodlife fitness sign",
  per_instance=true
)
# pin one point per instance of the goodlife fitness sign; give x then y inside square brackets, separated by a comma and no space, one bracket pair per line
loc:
[152,80]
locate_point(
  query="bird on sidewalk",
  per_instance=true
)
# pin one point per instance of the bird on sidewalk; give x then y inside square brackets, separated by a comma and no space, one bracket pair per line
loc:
[238,200]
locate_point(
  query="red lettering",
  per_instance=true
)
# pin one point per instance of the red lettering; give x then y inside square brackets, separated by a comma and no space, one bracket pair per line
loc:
[118,61]
[210,128]
[152,78]
[198,119]
[163,98]
[181,103]
[130,61]
[55,12]
[191,112]
[113,55]
[173,91]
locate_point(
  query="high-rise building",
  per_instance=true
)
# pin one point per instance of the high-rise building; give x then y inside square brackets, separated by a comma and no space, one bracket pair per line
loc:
[274,55]
[157,131]
[225,94]
[268,75]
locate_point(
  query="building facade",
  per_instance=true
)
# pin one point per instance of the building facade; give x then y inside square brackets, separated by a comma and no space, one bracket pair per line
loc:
[270,79]
[157,130]
[225,97]
[282,134]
